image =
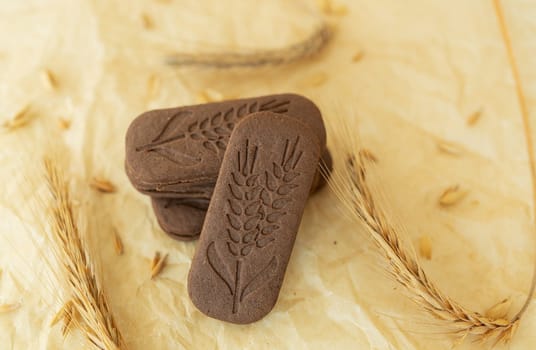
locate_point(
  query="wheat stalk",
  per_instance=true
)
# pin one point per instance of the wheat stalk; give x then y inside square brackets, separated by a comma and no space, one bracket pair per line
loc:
[351,185]
[256,58]
[87,300]
[358,196]
[526,128]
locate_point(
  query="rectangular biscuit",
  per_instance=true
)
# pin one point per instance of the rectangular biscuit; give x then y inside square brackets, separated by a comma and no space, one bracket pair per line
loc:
[177,151]
[253,217]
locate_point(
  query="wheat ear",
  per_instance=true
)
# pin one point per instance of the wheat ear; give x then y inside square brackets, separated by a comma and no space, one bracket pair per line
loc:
[256,58]
[351,186]
[88,305]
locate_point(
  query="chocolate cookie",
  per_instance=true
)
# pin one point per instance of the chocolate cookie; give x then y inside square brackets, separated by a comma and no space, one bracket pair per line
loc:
[181,219]
[253,217]
[325,166]
[178,219]
[176,152]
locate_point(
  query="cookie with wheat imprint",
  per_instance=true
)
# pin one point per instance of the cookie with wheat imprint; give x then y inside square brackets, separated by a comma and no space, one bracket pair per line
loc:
[182,218]
[171,152]
[253,217]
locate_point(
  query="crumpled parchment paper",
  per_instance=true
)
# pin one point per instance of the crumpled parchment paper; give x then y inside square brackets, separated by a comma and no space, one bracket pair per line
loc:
[426,67]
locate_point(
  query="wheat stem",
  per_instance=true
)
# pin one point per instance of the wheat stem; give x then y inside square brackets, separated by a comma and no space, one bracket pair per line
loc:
[351,185]
[72,253]
[526,128]
[256,58]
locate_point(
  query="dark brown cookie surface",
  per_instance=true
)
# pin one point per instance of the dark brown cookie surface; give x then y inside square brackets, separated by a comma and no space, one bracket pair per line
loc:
[181,219]
[178,219]
[253,217]
[325,166]
[172,152]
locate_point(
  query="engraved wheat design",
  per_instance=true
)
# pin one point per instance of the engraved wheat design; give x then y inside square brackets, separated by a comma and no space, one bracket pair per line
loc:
[212,132]
[256,204]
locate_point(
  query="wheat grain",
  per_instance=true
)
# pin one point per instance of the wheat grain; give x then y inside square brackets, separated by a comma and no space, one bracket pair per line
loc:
[358,56]
[451,196]
[425,247]
[367,154]
[474,117]
[118,243]
[256,58]
[449,148]
[328,7]
[102,185]
[155,260]
[499,310]
[5,308]
[64,123]
[21,118]
[49,79]
[87,308]
[147,21]
[157,264]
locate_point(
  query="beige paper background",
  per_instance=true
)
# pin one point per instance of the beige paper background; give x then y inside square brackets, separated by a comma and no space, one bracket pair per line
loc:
[427,66]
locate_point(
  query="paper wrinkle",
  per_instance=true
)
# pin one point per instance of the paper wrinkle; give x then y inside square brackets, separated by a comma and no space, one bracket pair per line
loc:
[426,67]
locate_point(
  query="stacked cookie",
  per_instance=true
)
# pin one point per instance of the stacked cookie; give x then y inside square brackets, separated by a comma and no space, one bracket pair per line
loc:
[237,173]
[174,155]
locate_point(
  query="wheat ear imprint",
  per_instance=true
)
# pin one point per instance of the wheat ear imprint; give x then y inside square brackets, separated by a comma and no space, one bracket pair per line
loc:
[212,132]
[256,204]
